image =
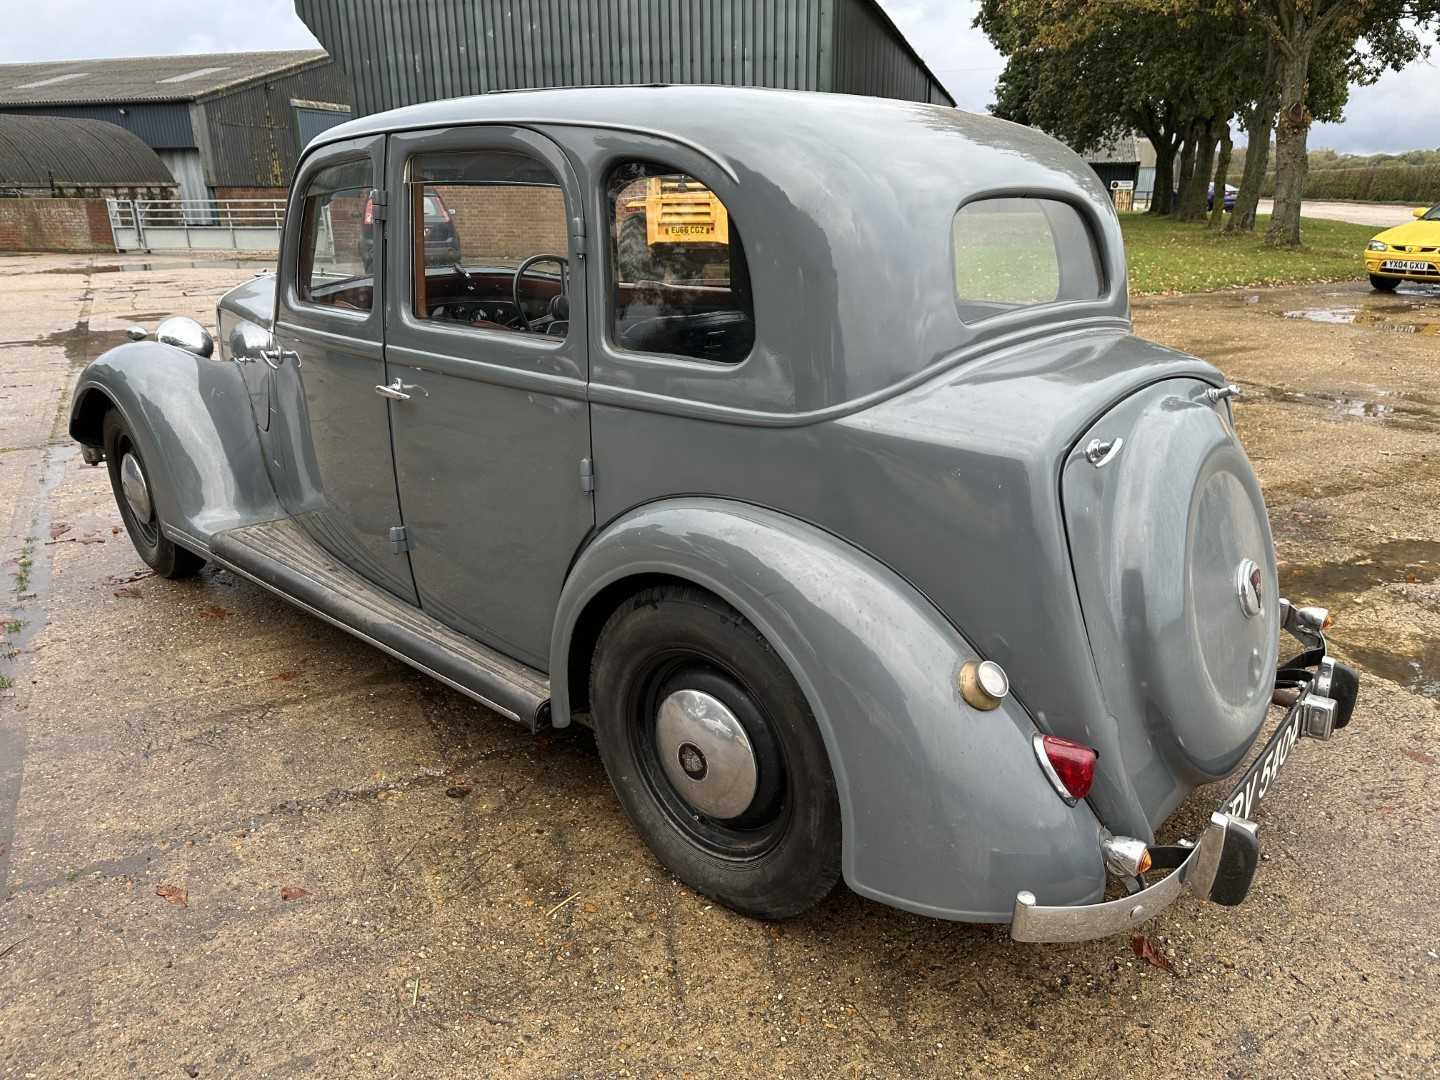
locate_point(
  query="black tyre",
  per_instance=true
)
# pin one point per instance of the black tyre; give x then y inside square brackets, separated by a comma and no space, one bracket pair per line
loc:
[632,251]
[1383,284]
[714,753]
[130,481]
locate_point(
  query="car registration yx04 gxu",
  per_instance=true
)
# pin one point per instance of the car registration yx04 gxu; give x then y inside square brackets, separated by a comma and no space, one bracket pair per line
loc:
[557,397]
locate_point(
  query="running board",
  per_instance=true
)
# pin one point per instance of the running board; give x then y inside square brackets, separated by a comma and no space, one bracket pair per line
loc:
[283,558]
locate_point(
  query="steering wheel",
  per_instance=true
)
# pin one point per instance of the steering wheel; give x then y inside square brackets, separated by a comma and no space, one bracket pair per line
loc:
[520,272]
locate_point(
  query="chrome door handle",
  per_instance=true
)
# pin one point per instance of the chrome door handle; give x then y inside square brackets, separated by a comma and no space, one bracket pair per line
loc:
[395,391]
[275,356]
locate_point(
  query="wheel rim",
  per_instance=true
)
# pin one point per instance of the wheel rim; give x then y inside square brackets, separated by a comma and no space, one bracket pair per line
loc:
[706,754]
[137,491]
[137,507]
[710,756]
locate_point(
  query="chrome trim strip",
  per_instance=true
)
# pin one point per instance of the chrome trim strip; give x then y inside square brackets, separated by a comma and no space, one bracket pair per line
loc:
[1037,743]
[180,536]
[417,665]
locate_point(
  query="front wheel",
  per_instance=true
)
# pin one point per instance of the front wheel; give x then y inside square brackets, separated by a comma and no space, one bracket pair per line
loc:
[1383,284]
[714,754]
[130,481]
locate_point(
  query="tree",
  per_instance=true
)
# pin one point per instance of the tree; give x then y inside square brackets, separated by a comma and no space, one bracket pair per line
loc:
[1301,28]
[1086,70]
[1179,70]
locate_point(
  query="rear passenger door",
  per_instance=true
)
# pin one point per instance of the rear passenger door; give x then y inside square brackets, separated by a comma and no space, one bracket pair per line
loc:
[492,435]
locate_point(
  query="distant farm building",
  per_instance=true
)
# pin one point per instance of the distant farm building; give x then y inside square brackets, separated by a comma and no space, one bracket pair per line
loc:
[68,158]
[226,125]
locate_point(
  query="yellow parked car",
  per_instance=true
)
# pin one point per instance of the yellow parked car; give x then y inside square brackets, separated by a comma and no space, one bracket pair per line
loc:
[1409,252]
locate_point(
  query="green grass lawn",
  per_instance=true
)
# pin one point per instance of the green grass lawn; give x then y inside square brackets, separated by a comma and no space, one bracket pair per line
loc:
[1166,256]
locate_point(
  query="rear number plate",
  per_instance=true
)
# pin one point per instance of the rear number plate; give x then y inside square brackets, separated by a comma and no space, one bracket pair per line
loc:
[1407,264]
[1261,775]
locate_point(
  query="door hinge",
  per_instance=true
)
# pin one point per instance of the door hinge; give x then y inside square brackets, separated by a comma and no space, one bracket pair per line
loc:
[587,477]
[399,540]
[577,236]
[378,204]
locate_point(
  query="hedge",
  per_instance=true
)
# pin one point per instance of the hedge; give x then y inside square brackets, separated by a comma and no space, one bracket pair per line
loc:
[1418,184]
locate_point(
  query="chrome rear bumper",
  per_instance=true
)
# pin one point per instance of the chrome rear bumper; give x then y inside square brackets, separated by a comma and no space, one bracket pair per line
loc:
[1220,864]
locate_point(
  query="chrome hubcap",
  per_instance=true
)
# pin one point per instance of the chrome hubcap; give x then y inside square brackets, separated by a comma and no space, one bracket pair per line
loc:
[706,755]
[137,492]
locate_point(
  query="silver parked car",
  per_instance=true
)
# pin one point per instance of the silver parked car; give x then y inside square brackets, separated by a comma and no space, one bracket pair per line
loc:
[846,508]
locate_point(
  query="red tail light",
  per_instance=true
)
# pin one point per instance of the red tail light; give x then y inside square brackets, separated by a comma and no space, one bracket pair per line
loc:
[1070,766]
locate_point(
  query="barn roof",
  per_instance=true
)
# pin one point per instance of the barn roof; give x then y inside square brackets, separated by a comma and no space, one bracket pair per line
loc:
[143,78]
[36,151]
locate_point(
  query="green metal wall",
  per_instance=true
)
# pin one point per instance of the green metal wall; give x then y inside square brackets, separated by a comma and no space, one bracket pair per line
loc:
[398,52]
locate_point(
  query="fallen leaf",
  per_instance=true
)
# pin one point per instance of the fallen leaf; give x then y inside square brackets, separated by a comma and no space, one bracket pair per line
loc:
[590,909]
[126,579]
[458,791]
[293,892]
[173,894]
[1151,953]
[284,676]
[58,529]
[192,1071]
[127,593]
[1416,755]
[90,539]
[212,611]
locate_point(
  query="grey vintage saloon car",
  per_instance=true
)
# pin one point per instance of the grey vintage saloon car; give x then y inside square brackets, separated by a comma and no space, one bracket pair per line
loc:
[848,511]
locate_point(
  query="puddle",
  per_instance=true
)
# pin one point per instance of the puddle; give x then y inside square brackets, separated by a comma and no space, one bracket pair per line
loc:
[1399,318]
[142,267]
[81,344]
[1402,409]
[1394,562]
[1417,672]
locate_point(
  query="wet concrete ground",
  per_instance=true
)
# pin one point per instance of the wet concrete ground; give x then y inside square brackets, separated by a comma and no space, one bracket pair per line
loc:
[234,842]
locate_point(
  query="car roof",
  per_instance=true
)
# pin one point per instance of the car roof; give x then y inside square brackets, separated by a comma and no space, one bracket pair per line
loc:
[845,205]
[716,119]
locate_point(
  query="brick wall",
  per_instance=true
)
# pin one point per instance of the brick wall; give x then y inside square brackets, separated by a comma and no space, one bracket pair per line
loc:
[252,193]
[54,225]
[507,224]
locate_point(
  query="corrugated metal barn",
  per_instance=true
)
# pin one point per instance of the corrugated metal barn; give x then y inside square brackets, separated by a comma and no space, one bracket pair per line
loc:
[68,157]
[225,124]
[399,52]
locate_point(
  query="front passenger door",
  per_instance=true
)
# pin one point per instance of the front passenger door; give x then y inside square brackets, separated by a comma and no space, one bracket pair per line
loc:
[329,443]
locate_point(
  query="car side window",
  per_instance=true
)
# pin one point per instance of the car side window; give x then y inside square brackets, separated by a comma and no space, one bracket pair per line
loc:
[679,282]
[490,242]
[1018,252]
[337,244]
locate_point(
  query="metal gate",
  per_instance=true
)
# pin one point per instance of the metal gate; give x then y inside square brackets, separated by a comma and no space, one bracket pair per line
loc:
[196,224]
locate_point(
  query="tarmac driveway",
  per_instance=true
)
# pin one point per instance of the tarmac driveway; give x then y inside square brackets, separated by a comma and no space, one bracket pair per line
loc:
[235,842]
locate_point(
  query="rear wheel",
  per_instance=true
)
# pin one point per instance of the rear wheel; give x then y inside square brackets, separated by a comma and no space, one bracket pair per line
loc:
[714,753]
[1383,284]
[130,481]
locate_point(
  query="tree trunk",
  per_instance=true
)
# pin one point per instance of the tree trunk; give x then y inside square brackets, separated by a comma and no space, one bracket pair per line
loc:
[1259,125]
[1160,200]
[1192,193]
[1222,168]
[1186,170]
[1291,134]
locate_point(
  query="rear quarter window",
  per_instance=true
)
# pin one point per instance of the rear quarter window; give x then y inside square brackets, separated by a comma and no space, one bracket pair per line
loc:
[1020,252]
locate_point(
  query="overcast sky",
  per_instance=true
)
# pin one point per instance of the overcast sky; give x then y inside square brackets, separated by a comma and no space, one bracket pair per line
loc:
[1400,112]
